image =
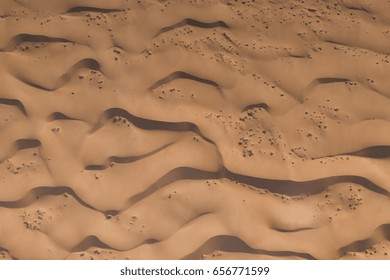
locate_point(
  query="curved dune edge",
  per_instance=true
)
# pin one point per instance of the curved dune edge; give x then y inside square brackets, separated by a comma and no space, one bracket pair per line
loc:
[205,130]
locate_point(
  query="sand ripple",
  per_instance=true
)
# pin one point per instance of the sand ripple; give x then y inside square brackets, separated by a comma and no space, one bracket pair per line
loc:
[194,130]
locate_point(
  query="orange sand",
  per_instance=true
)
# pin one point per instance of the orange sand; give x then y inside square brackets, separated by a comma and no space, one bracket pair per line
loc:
[194,129]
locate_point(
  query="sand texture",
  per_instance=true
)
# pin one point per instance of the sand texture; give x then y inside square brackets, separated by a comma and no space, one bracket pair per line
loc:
[194,129]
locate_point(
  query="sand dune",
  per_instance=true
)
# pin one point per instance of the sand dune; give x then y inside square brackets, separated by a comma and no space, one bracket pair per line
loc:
[195,129]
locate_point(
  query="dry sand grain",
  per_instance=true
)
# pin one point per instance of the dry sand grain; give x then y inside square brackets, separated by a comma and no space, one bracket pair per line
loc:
[190,129]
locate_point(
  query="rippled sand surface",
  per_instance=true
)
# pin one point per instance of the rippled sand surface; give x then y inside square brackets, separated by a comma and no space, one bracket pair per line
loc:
[194,129]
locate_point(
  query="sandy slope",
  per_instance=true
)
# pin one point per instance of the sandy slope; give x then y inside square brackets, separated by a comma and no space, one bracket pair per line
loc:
[194,129]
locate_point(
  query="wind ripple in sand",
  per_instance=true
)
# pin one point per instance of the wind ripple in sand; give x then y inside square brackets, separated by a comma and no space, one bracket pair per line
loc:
[289,161]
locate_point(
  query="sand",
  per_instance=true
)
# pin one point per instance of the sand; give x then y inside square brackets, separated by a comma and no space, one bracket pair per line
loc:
[253,129]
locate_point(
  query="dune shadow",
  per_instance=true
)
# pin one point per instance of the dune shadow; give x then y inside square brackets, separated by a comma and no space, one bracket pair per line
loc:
[58,116]
[366,244]
[263,106]
[90,241]
[14,102]
[282,187]
[39,192]
[183,75]
[22,144]
[88,63]
[147,124]
[125,160]
[80,9]
[226,243]
[192,22]
[32,38]
[373,152]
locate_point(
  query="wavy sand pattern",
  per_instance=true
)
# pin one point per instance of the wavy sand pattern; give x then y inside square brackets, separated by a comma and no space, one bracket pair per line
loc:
[194,129]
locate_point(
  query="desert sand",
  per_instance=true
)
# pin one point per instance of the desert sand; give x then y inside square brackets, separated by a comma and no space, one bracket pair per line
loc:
[194,129]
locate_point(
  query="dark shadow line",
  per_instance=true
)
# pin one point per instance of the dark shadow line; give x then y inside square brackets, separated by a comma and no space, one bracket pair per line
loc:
[124,160]
[147,123]
[22,144]
[89,63]
[183,75]
[61,117]
[31,38]
[291,230]
[283,187]
[228,243]
[38,192]
[365,244]
[88,242]
[14,102]
[79,9]
[372,152]
[256,106]
[192,22]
